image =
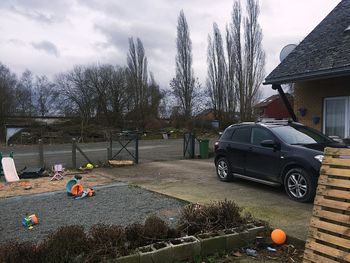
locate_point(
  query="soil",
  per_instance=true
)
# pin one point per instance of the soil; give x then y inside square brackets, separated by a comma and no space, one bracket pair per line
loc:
[44,184]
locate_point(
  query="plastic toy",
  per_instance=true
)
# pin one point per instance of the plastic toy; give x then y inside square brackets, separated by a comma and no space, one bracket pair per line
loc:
[30,221]
[278,236]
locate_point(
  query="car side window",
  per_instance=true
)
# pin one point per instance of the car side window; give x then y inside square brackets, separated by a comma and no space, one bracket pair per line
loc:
[241,135]
[227,135]
[259,135]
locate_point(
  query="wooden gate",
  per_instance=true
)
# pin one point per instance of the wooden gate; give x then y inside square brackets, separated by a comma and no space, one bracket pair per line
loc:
[329,231]
[126,143]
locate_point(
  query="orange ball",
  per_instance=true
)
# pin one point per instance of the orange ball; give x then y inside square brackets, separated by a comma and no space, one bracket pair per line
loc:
[278,236]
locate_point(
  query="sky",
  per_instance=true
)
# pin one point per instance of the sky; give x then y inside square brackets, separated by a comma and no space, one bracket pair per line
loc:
[49,37]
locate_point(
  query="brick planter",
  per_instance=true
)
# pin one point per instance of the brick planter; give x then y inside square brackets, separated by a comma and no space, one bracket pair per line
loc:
[212,243]
[254,230]
[156,253]
[185,248]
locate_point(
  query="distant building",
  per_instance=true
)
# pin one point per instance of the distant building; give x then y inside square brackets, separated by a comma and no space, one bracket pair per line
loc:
[206,115]
[273,107]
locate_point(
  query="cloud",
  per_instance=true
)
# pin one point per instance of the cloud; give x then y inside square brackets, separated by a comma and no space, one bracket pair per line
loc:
[46,46]
[34,15]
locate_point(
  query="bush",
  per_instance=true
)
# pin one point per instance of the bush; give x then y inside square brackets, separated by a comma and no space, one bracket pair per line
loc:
[14,252]
[106,241]
[195,218]
[64,245]
[155,228]
[134,236]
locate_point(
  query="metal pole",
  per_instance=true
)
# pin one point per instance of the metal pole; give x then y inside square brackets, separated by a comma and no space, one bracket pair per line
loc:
[41,152]
[137,150]
[193,144]
[184,146]
[74,153]
[110,149]
[285,100]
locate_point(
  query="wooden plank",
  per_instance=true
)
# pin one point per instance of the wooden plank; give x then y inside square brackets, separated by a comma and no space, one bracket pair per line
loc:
[334,182]
[338,241]
[325,191]
[320,200]
[336,161]
[326,171]
[337,151]
[333,252]
[312,257]
[343,230]
[340,218]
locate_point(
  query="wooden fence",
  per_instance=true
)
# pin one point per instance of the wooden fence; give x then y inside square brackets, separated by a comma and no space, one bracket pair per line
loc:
[329,231]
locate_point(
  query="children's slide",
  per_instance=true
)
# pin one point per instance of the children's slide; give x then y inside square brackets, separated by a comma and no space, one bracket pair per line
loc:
[9,168]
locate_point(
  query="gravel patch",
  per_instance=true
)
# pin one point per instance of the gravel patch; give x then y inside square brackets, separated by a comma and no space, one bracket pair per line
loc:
[118,204]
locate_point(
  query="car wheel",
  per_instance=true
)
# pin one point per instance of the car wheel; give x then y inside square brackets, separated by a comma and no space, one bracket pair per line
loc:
[223,170]
[300,185]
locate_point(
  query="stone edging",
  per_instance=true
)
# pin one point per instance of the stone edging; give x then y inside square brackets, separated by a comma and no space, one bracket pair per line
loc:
[190,246]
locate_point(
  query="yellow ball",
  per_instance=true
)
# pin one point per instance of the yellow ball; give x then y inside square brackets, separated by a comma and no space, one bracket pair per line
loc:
[89,166]
[278,236]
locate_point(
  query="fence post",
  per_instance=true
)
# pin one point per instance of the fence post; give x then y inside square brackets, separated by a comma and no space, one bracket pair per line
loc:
[193,144]
[41,153]
[74,153]
[137,149]
[110,148]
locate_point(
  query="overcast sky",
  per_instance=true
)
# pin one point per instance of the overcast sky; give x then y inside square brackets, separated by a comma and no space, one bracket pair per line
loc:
[51,36]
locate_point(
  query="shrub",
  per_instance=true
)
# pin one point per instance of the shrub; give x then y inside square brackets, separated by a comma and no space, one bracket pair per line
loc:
[14,252]
[106,241]
[195,218]
[155,228]
[64,245]
[134,236]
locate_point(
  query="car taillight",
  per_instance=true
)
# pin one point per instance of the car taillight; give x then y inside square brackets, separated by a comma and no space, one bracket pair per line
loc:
[216,145]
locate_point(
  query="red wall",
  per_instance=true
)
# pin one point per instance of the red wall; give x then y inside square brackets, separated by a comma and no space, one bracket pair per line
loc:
[276,109]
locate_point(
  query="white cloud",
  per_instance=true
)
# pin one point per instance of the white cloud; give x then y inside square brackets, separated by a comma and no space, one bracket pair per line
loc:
[90,31]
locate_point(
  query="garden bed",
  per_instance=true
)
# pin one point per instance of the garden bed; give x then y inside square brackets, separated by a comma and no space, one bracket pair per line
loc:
[153,241]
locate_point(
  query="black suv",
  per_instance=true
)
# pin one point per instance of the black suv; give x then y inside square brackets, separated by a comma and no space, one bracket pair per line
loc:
[273,153]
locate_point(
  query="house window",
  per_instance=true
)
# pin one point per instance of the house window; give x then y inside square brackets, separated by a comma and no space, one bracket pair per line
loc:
[336,116]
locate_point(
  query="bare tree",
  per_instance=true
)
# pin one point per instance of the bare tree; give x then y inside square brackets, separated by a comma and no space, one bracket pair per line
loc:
[45,95]
[24,94]
[254,56]
[246,57]
[217,73]
[183,85]
[7,101]
[78,97]
[118,94]
[99,79]
[137,78]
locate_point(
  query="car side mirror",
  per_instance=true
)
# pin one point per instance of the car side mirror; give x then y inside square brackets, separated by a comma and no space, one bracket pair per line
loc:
[270,144]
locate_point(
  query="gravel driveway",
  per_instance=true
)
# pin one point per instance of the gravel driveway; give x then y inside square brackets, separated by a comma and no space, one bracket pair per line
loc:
[119,204]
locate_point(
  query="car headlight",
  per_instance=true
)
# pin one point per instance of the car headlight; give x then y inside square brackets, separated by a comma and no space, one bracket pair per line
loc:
[319,158]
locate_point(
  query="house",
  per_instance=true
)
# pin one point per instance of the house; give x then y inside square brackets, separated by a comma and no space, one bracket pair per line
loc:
[319,67]
[273,107]
[206,115]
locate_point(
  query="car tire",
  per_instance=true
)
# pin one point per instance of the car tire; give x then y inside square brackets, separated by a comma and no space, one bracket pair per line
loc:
[300,185]
[223,170]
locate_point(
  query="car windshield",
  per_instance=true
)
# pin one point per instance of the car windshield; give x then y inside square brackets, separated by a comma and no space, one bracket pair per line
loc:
[300,135]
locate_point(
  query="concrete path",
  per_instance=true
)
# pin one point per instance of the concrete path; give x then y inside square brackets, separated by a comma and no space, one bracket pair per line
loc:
[196,181]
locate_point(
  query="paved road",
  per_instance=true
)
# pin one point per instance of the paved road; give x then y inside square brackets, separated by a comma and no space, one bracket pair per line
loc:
[149,150]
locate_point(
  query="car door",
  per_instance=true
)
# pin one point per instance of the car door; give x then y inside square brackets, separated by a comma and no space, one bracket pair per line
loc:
[237,149]
[262,162]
